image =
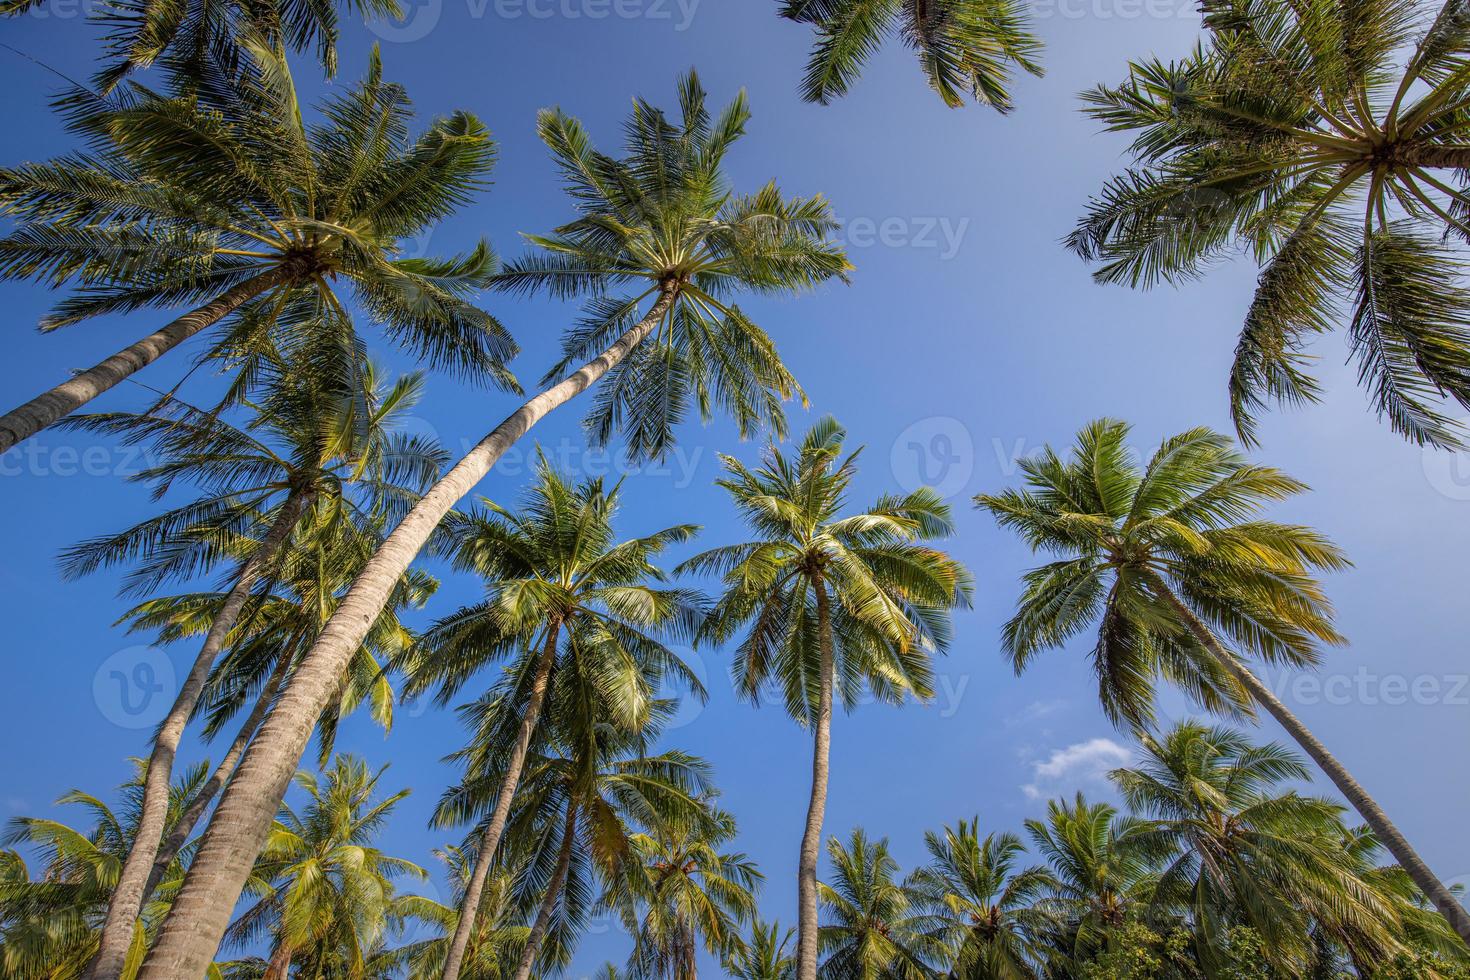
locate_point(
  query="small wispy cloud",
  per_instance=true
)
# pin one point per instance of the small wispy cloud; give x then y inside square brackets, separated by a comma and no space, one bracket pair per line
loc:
[1081,762]
[1034,712]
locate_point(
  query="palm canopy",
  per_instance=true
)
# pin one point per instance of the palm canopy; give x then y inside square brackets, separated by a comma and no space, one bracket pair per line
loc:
[1240,849]
[329,437]
[981,901]
[1327,141]
[692,891]
[765,955]
[1131,540]
[873,928]
[221,188]
[662,222]
[967,48]
[331,891]
[891,593]
[555,570]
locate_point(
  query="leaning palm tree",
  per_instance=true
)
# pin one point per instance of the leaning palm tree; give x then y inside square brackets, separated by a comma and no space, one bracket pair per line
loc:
[313,444]
[1173,568]
[499,933]
[692,894]
[874,929]
[662,223]
[571,606]
[967,48]
[974,892]
[830,605]
[330,889]
[1328,142]
[765,955]
[1241,850]
[219,194]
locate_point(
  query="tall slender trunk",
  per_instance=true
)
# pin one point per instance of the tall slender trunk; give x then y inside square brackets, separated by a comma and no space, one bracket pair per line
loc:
[201,912]
[490,839]
[137,870]
[688,968]
[279,967]
[179,835]
[19,424]
[1383,828]
[811,841]
[553,892]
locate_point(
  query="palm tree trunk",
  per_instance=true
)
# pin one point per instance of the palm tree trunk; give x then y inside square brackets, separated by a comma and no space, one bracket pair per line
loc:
[490,840]
[1383,828]
[279,967]
[553,892]
[811,841]
[132,886]
[179,835]
[191,934]
[19,424]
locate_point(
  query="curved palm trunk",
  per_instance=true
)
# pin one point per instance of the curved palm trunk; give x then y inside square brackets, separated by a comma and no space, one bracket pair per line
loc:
[490,841]
[19,424]
[811,841]
[1368,808]
[137,871]
[553,892]
[279,967]
[192,932]
[179,835]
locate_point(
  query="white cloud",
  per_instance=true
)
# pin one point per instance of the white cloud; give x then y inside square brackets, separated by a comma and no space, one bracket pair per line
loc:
[1035,711]
[1089,761]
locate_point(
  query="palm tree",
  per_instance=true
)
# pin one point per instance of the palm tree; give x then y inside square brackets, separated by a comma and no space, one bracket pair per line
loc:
[498,937]
[329,891]
[966,47]
[313,444]
[49,927]
[661,221]
[765,955]
[830,604]
[1241,849]
[874,928]
[144,32]
[1327,143]
[1100,874]
[982,902]
[569,604]
[692,894]
[221,195]
[1160,560]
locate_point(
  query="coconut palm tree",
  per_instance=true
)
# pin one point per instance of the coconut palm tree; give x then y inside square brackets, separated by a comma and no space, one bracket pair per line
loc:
[313,443]
[1101,875]
[874,927]
[691,894]
[967,48]
[1173,567]
[1243,851]
[663,223]
[499,934]
[973,891]
[49,927]
[219,194]
[830,604]
[1326,141]
[330,892]
[140,33]
[765,955]
[568,604]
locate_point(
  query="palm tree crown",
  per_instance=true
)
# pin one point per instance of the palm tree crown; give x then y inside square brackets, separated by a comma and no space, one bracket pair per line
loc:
[967,48]
[1317,138]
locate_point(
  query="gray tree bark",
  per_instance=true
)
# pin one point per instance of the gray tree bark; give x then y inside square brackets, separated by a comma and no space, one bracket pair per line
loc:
[490,840]
[201,912]
[19,424]
[811,841]
[553,892]
[137,870]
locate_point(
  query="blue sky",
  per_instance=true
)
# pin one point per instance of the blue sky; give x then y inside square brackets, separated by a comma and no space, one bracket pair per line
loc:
[967,338]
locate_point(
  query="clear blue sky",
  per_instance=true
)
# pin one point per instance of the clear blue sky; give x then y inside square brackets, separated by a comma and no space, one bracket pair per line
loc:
[967,330]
